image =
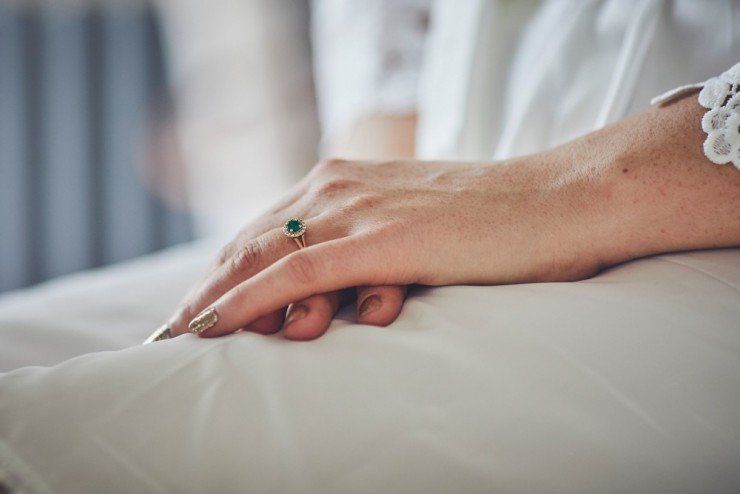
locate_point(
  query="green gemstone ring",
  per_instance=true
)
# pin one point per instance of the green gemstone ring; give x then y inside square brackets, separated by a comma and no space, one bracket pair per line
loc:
[296,228]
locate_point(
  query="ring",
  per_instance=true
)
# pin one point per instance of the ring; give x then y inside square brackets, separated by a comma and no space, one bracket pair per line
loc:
[296,228]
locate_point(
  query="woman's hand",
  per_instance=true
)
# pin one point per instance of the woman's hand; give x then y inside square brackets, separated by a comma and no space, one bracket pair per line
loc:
[635,188]
[380,226]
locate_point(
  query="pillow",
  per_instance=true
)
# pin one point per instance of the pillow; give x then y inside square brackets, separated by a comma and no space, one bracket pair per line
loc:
[627,382]
[110,308]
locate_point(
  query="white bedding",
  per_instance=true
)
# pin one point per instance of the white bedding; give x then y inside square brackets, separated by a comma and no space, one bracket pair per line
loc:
[628,382]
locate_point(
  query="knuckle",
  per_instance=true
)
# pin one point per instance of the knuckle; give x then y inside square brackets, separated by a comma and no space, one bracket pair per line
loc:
[331,164]
[333,186]
[364,201]
[301,268]
[224,254]
[246,259]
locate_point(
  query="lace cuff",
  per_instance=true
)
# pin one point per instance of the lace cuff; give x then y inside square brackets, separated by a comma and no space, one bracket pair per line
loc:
[721,97]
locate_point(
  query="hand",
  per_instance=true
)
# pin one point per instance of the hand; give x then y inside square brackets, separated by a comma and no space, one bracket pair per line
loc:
[381,226]
[638,187]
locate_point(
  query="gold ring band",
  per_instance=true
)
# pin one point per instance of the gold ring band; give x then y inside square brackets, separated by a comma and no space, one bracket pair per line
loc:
[295,228]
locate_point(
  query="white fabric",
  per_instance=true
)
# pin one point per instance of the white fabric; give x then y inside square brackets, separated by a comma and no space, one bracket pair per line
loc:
[246,114]
[627,382]
[721,97]
[246,111]
[367,59]
[105,309]
[504,78]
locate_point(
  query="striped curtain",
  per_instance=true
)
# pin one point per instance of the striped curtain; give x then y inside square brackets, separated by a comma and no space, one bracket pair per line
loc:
[77,86]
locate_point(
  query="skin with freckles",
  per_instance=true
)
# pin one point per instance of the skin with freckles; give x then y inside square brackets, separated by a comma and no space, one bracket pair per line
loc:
[638,187]
[379,137]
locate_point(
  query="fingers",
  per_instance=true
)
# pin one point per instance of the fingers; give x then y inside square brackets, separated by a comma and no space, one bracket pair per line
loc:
[322,268]
[252,257]
[379,305]
[266,222]
[269,324]
[310,318]
[198,297]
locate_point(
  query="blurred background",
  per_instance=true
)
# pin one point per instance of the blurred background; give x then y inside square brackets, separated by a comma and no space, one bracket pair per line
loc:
[129,126]
[83,110]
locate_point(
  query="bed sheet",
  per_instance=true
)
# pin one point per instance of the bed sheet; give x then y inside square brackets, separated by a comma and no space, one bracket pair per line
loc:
[103,309]
[627,382]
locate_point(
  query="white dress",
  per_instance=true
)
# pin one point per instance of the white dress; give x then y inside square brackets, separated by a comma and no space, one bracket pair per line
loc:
[506,78]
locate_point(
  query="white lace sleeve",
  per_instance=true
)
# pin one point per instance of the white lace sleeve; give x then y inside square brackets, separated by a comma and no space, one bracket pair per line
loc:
[721,97]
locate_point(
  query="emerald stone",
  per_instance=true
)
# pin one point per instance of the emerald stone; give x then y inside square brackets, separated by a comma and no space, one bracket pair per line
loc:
[294,226]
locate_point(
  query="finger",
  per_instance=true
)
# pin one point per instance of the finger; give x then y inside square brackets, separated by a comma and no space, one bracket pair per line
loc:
[269,324]
[379,305]
[253,256]
[267,221]
[297,199]
[322,268]
[310,318]
[277,213]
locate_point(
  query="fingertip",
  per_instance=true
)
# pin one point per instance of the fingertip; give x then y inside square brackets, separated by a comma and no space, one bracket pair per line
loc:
[380,306]
[309,319]
[375,311]
[303,332]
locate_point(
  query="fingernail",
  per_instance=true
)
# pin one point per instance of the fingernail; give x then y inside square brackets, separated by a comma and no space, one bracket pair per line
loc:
[296,312]
[206,319]
[163,332]
[370,304]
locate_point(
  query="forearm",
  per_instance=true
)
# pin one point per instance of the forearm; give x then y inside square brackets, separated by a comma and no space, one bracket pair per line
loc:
[636,188]
[381,136]
[653,190]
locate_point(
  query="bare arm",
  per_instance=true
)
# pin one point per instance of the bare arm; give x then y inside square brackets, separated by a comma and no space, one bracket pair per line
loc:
[379,137]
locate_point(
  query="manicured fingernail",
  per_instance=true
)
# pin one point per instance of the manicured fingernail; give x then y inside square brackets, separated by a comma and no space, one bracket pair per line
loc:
[206,319]
[296,312]
[370,304]
[163,332]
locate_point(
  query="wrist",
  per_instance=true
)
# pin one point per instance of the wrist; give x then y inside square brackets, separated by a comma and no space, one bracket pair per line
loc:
[594,182]
[651,188]
[562,225]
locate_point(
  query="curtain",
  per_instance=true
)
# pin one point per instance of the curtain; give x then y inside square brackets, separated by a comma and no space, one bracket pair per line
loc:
[79,86]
